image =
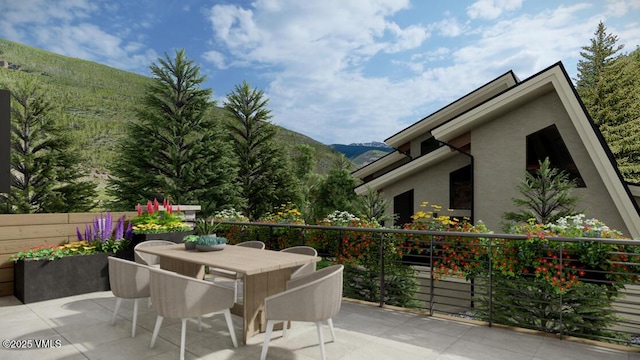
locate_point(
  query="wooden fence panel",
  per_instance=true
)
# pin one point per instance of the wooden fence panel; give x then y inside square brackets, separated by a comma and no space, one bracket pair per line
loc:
[22,231]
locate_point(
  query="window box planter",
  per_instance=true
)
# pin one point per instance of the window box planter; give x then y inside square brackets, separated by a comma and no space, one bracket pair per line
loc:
[38,280]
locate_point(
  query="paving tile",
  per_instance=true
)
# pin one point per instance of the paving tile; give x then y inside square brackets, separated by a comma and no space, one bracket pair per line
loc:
[82,324]
[466,349]
[552,349]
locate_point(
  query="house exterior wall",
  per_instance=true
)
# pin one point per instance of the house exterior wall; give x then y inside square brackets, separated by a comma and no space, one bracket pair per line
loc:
[499,150]
[431,185]
[499,155]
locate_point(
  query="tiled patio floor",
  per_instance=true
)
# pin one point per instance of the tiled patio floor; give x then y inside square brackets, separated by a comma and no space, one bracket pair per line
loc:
[82,324]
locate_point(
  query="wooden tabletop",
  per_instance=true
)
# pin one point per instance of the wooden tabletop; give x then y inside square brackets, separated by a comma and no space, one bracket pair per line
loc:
[244,260]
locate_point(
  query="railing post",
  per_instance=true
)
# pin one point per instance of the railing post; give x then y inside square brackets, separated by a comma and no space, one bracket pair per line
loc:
[432,280]
[561,275]
[490,282]
[382,275]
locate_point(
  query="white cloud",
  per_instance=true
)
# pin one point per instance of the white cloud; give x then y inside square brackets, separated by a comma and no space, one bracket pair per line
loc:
[450,27]
[316,59]
[215,57]
[492,9]
[320,51]
[622,7]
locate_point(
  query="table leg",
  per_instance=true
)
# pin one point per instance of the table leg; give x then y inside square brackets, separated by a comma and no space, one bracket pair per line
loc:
[256,289]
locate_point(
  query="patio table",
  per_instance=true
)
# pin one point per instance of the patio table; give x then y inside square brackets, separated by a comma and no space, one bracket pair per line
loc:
[265,272]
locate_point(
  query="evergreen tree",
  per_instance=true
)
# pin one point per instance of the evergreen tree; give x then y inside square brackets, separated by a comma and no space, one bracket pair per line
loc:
[373,205]
[336,191]
[546,196]
[45,174]
[265,177]
[593,71]
[177,149]
[609,85]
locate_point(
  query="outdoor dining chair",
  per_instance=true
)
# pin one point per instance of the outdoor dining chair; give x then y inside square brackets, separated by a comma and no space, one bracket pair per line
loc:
[311,298]
[236,277]
[149,259]
[302,269]
[128,280]
[177,296]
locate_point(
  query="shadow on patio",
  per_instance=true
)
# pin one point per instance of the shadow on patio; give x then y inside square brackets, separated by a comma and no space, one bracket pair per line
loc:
[79,328]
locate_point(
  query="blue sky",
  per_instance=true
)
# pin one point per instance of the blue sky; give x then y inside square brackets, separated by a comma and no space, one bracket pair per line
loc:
[338,71]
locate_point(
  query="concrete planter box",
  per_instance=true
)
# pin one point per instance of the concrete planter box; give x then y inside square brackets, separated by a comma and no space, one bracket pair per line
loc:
[38,280]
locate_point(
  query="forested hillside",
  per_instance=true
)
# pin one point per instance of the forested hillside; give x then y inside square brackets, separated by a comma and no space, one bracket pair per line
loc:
[97,101]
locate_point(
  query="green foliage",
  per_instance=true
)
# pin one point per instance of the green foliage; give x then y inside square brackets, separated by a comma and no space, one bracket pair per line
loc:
[609,86]
[532,303]
[210,240]
[99,102]
[537,283]
[190,238]
[45,172]
[546,196]
[336,191]
[175,151]
[206,227]
[373,205]
[264,176]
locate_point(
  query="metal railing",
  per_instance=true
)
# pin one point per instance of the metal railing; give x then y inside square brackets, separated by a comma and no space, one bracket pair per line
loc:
[581,287]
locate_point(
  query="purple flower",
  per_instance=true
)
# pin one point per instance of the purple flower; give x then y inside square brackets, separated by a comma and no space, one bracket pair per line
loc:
[119,234]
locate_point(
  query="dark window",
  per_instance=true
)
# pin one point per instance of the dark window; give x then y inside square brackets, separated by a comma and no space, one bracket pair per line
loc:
[403,207]
[429,145]
[461,188]
[548,143]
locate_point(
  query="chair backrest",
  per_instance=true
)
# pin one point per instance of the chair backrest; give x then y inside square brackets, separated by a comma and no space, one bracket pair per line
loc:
[314,297]
[149,259]
[252,244]
[128,280]
[304,250]
[302,269]
[178,296]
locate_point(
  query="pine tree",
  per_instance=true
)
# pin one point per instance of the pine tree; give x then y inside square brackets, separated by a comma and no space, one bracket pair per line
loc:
[546,196]
[177,149]
[265,176]
[594,70]
[46,174]
[609,85]
[336,191]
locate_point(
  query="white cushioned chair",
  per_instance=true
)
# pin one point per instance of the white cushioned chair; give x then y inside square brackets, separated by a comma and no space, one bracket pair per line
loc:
[181,297]
[236,277]
[128,280]
[315,297]
[149,259]
[302,269]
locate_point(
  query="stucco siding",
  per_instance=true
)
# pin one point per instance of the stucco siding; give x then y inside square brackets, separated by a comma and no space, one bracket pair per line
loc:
[499,150]
[430,184]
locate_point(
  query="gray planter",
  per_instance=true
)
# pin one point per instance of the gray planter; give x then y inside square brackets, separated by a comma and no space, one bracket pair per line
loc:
[38,280]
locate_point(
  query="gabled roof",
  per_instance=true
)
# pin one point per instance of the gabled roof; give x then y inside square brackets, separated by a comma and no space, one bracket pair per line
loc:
[480,95]
[407,169]
[554,78]
[381,163]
